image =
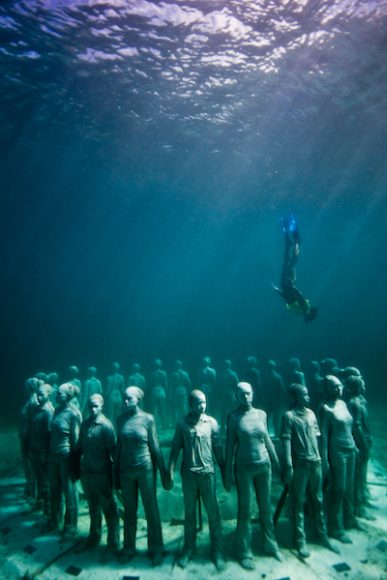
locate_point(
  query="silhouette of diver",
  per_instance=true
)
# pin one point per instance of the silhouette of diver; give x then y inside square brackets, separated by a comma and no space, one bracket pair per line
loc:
[295,300]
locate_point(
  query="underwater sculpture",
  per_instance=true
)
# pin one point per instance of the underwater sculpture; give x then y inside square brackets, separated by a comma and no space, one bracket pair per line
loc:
[137,457]
[358,407]
[226,387]
[294,298]
[114,393]
[95,452]
[275,398]
[158,393]
[249,442]
[181,385]
[303,470]
[339,459]
[65,428]
[38,441]
[92,386]
[197,435]
[31,386]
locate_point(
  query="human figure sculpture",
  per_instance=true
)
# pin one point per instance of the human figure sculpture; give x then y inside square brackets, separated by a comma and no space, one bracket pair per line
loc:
[197,435]
[92,386]
[338,458]
[248,442]
[228,381]
[53,380]
[329,366]
[158,393]
[96,450]
[315,385]
[39,432]
[31,386]
[181,386]
[114,393]
[294,374]
[303,470]
[73,379]
[361,431]
[136,378]
[65,428]
[252,376]
[207,381]
[275,395]
[138,456]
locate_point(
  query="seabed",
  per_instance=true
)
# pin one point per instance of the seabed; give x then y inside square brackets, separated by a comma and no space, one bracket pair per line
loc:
[26,553]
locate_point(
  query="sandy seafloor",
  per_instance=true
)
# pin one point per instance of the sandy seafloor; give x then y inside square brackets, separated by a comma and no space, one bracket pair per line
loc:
[25,553]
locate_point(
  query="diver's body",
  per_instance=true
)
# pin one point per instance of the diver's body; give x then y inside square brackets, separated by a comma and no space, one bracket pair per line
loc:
[294,298]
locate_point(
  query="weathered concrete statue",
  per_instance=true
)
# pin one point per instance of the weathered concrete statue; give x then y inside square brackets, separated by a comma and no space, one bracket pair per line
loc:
[197,435]
[137,457]
[303,470]
[249,443]
[96,450]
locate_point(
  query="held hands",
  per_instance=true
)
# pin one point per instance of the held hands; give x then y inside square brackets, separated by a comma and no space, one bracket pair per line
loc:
[167,479]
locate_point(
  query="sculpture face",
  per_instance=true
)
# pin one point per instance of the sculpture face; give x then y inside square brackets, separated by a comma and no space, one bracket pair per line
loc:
[199,404]
[95,406]
[244,394]
[42,396]
[335,388]
[302,397]
[131,400]
[62,394]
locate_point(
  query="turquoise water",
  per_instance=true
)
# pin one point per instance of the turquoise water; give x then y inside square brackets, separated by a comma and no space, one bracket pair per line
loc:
[148,151]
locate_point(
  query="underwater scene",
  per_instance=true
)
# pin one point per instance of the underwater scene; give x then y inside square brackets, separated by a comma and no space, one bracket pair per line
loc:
[193,200]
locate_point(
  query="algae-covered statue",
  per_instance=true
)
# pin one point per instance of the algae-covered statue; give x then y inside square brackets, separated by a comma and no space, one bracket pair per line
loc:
[197,435]
[339,459]
[138,456]
[181,386]
[158,392]
[249,443]
[299,434]
[39,433]
[96,450]
[65,428]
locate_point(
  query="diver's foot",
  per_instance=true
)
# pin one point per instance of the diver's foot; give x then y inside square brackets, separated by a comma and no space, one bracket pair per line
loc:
[247,563]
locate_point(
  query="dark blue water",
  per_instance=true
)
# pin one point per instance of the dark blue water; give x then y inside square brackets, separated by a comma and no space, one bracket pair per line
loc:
[148,151]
